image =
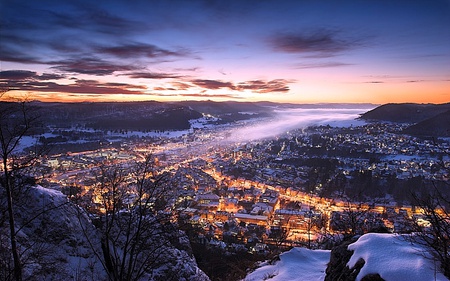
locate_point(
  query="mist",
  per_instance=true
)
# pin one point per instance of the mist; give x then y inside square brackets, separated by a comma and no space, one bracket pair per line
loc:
[298,118]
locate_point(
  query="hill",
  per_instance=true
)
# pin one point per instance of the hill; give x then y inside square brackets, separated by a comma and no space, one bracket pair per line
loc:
[146,115]
[405,112]
[229,111]
[150,115]
[438,125]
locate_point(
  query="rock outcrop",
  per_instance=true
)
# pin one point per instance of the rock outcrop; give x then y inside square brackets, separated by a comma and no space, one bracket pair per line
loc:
[58,241]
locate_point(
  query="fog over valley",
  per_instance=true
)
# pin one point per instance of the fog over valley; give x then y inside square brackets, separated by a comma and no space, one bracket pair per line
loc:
[288,119]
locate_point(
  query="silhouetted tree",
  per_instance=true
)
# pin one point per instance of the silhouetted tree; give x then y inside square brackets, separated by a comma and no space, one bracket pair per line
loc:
[133,219]
[435,235]
[16,120]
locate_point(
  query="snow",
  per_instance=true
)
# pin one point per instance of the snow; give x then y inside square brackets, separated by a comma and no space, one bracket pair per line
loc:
[393,257]
[296,264]
[25,142]
[55,196]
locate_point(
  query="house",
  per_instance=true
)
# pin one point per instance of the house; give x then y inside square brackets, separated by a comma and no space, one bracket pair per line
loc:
[207,201]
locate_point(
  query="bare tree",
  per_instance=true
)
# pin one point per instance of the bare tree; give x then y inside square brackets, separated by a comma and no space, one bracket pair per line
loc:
[432,229]
[134,223]
[16,120]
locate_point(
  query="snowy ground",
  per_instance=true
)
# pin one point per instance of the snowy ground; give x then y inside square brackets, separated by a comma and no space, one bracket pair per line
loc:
[297,264]
[392,256]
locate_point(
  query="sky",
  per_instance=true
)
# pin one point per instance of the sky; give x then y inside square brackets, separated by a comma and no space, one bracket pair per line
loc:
[301,51]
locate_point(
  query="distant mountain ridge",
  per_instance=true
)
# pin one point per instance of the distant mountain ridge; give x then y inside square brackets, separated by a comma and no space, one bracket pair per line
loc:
[426,119]
[405,112]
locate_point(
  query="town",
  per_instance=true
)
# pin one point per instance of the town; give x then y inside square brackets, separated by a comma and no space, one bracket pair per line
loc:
[307,187]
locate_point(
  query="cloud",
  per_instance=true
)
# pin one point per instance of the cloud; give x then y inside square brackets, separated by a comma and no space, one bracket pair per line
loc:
[202,94]
[50,76]
[262,87]
[16,76]
[92,66]
[84,16]
[213,84]
[256,86]
[319,43]
[374,82]
[30,81]
[76,31]
[140,50]
[176,86]
[152,75]
[191,69]
[181,86]
[14,54]
[162,89]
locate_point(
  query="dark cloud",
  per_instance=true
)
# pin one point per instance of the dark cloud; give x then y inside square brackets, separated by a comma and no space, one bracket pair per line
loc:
[87,16]
[17,74]
[75,31]
[92,66]
[115,84]
[92,18]
[259,86]
[14,55]
[213,84]
[51,76]
[374,82]
[22,75]
[152,75]
[29,81]
[140,50]
[319,43]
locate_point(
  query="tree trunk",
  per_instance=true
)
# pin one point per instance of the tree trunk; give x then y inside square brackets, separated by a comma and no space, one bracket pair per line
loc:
[12,229]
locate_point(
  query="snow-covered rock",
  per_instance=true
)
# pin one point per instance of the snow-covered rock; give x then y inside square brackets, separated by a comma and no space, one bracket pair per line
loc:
[59,242]
[393,257]
[374,256]
[296,264]
[52,236]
